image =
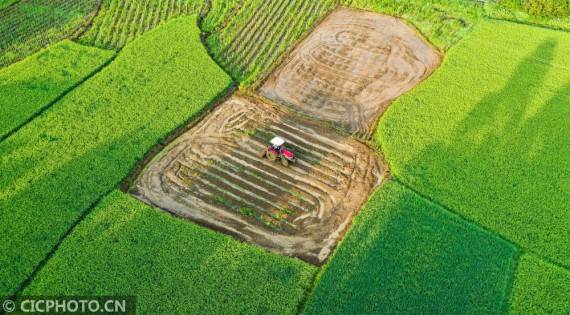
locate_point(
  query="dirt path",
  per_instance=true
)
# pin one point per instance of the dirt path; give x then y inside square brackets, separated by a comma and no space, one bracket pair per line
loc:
[212,174]
[350,68]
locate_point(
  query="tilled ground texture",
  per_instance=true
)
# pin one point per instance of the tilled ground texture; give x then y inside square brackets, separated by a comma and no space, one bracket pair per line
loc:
[213,174]
[350,68]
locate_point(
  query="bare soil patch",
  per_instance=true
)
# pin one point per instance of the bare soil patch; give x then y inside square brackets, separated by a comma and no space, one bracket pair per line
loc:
[350,68]
[212,174]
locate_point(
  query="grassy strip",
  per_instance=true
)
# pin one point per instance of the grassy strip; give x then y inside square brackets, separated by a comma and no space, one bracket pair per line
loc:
[406,255]
[28,26]
[442,22]
[61,162]
[173,266]
[508,11]
[121,21]
[540,288]
[30,85]
[486,135]
[5,3]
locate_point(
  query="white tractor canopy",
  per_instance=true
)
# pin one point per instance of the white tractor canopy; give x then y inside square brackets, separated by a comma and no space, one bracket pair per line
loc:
[277,141]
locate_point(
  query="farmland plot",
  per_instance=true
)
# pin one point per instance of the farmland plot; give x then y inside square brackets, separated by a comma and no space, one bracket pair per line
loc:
[213,174]
[493,145]
[350,68]
[251,35]
[36,82]
[84,145]
[127,248]
[28,25]
[121,21]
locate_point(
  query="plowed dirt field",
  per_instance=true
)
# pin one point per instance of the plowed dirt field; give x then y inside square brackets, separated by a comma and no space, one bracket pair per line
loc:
[350,68]
[212,174]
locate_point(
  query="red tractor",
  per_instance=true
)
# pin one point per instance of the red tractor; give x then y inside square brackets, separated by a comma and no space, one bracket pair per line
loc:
[276,150]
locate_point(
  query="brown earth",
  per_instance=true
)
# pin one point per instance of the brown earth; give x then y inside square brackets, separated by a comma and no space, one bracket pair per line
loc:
[350,68]
[212,174]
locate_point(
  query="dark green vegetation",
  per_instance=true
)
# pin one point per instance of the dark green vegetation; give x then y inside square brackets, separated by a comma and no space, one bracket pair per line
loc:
[121,21]
[29,25]
[58,165]
[492,145]
[173,266]
[28,86]
[540,288]
[410,256]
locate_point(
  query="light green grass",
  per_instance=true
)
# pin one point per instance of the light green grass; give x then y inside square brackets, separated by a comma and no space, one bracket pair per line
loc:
[59,164]
[35,82]
[119,22]
[405,255]
[540,288]
[173,266]
[487,135]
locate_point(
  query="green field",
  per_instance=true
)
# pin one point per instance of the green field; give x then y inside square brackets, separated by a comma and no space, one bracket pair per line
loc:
[120,21]
[473,219]
[492,145]
[28,26]
[172,266]
[91,139]
[410,256]
[540,288]
[36,82]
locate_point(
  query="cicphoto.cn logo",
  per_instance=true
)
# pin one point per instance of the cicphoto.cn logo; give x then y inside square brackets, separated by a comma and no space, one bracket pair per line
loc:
[69,305]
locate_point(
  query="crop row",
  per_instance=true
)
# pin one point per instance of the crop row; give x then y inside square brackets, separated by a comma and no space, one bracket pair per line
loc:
[120,21]
[29,25]
[259,32]
[59,164]
[219,14]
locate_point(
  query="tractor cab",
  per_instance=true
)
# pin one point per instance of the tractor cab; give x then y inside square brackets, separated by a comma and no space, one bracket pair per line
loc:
[277,142]
[276,150]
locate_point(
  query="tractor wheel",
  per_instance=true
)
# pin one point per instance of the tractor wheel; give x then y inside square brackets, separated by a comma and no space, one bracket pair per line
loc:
[271,156]
[285,162]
